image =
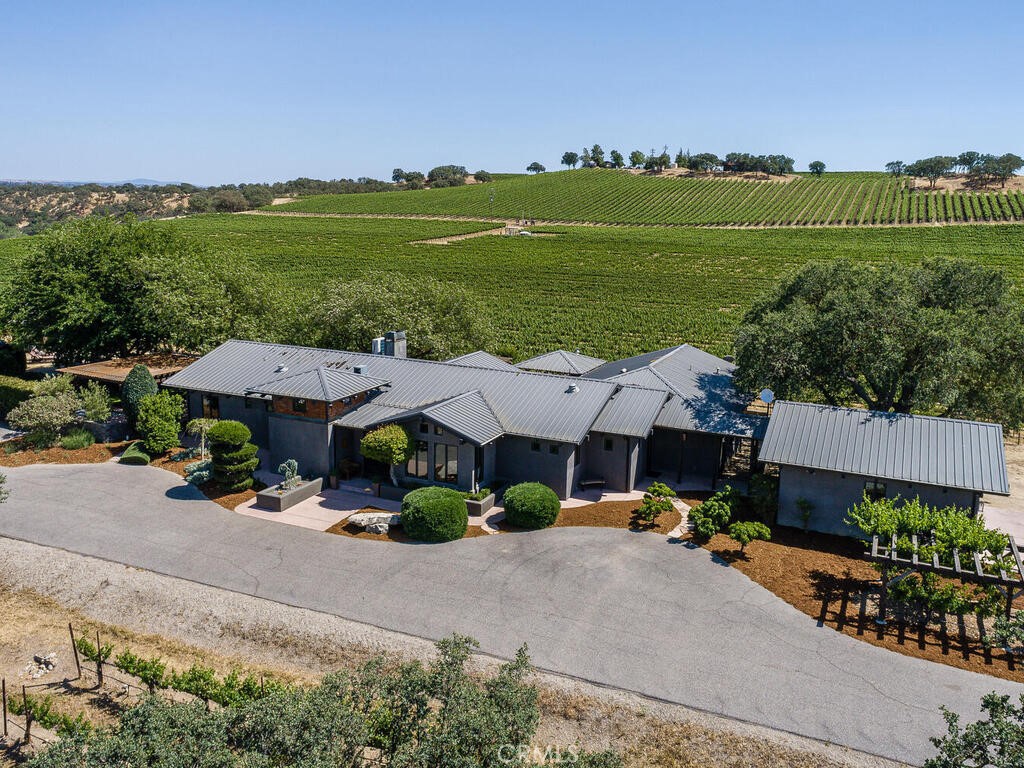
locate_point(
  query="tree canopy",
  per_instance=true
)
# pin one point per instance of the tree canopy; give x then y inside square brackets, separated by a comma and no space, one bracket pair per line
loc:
[446,176]
[97,288]
[816,167]
[941,337]
[570,159]
[931,168]
[442,320]
[535,167]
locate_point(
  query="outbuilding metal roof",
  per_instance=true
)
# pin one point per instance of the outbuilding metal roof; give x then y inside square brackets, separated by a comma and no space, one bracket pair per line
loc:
[920,449]
[560,361]
[321,383]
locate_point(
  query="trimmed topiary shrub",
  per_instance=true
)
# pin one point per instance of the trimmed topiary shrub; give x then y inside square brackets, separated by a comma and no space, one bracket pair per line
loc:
[233,456]
[434,514]
[139,383]
[531,505]
[390,445]
[134,455]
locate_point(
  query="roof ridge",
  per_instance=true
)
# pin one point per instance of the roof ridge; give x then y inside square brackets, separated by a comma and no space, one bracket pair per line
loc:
[896,414]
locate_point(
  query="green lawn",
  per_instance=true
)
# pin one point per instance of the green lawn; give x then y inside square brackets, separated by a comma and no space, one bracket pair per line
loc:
[618,197]
[608,291]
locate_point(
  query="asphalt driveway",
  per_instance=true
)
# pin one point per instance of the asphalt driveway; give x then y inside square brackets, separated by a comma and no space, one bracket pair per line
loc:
[621,609]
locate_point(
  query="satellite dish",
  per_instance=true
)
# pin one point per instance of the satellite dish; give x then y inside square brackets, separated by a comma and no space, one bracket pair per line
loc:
[767,396]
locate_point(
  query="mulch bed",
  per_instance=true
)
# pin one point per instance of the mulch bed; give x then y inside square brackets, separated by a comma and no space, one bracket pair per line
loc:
[211,490]
[608,514]
[395,532]
[825,577]
[97,453]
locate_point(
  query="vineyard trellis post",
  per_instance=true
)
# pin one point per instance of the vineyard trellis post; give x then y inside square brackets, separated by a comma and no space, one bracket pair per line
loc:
[99,661]
[74,650]
[3,696]
[28,715]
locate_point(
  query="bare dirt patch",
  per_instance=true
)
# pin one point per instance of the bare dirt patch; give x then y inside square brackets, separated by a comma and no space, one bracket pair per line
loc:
[827,578]
[97,453]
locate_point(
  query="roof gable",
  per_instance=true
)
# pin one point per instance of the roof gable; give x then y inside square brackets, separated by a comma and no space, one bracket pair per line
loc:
[560,361]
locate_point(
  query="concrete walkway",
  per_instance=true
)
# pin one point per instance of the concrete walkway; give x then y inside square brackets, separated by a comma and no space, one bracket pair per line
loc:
[624,610]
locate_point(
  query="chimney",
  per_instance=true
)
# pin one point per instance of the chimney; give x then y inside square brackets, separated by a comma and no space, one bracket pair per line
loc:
[377,346]
[394,344]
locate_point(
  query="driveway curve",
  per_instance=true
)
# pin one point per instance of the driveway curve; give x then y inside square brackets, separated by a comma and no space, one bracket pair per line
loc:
[626,610]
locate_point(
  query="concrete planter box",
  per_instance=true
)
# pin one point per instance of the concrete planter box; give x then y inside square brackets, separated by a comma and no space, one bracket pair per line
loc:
[278,501]
[480,507]
[391,492]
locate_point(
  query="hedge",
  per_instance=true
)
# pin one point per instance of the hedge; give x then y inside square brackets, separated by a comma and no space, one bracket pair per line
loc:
[134,455]
[531,505]
[434,514]
[138,384]
[13,391]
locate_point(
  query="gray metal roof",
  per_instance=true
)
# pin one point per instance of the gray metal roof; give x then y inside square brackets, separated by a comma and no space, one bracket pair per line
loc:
[631,411]
[467,415]
[704,398]
[920,449]
[560,361]
[321,383]
[481,359]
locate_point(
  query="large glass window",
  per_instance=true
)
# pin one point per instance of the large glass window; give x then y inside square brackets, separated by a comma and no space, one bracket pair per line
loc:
[420,461]
[874,490]
[446,463]
[211,407]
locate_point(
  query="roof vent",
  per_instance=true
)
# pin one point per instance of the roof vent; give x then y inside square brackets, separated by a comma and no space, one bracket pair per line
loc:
[281,369]
[358,369]
[573,389]
[625,370]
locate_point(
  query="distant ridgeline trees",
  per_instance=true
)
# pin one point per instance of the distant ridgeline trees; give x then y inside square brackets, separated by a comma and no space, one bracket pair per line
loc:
[981,170]
[28,208]
[701,162]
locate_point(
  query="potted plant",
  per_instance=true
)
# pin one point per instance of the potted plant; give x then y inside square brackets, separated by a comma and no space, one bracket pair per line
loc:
[1008,632]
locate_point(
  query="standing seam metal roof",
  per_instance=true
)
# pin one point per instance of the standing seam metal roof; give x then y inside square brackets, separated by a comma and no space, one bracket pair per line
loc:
[942,452]
[467,415]
[560,361]
[320,383]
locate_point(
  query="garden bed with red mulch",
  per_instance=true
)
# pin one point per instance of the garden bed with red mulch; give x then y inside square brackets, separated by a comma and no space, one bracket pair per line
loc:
[608,514]
[97,453]
[211,490]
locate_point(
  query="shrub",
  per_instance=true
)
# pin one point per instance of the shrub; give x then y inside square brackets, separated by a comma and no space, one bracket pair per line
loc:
[77,439]
[44,416]
[158,421]
[12,392]
[657,500]
[12,360]
[95,401]
[434,514]
[134,455]
[531,505]
[483,177]
[234,458]
[199,472]
[4,493]
[137,384]
[390,445]
[995,741]
[152,672]
[713,515]
[1008,632]
[744,533]
[54,385]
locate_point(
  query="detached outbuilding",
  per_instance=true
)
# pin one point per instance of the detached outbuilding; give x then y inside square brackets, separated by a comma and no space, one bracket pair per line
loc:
[831,457]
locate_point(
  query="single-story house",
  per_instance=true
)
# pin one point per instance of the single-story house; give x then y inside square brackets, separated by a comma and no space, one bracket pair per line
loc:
[672,413]
[831,457]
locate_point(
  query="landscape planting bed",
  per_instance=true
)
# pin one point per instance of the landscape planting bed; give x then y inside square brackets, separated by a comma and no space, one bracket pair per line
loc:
[395,532]
[97,453]
[824,576]
[609,514]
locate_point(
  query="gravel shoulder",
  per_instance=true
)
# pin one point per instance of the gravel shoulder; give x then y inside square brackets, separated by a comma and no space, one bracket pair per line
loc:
[42,589]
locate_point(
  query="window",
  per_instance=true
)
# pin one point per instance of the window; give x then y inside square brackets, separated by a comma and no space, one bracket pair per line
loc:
[874,490]
[576,456]
[438,430]
[424,429]
[299,404]
[535,446]
[420,461]
[553,449]
[211,407]
[609,444]
[446,463]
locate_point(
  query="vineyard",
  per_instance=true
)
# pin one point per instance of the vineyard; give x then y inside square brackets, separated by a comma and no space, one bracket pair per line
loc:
[610,292]
[616,197]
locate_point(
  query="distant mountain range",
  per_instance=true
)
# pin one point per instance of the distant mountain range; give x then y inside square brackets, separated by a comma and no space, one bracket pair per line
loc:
[136,182]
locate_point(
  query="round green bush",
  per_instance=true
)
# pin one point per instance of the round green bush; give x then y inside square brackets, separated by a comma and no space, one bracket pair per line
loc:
[229,433]
[531,505]
[434,514]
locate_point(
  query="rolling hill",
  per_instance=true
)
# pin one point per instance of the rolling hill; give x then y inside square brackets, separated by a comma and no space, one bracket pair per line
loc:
[619,197]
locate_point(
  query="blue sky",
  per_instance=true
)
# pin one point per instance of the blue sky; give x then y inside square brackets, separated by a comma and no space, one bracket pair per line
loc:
[214,92]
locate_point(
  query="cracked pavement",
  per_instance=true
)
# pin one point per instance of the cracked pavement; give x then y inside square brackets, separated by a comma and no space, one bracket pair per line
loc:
[626,610]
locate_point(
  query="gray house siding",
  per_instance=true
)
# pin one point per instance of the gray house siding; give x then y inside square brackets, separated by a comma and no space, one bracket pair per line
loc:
[234,408]
[833,493]
[611,458]
[518,463]
[310,443]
